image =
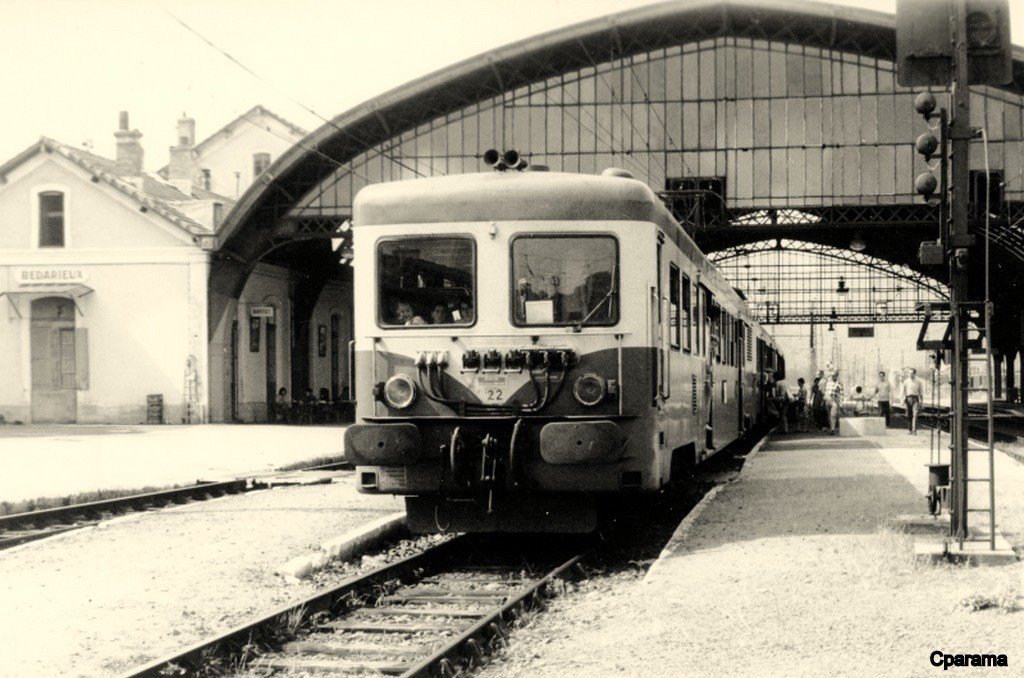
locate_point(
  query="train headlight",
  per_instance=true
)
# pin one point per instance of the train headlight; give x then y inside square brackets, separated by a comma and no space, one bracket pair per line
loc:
[589,390]
[399,392]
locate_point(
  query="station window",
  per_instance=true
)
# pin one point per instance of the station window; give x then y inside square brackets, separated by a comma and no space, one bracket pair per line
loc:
[686,319]
[673,306]
[51,219]
[426,281]
[565,280]
[260,163]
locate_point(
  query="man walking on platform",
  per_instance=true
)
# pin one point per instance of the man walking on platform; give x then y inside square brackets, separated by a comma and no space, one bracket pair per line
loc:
[883,395]
[912,392]
[833,392]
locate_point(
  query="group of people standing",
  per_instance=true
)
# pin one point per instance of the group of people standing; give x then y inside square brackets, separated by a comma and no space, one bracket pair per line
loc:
[820,406]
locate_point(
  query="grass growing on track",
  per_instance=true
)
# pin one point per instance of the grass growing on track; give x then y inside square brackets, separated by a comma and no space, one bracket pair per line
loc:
[40,503]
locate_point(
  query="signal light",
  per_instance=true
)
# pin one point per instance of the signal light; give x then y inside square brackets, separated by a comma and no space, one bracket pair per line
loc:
[926,184]
[924,103]
[926,145]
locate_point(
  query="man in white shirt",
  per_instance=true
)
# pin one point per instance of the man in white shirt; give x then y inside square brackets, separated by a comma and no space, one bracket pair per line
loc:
[833,392]
[912,392]
[883,396]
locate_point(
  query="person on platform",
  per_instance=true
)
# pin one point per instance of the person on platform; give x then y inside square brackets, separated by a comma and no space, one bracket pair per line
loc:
[833,394]
[782,401]
[800,405]
[883,396]
[281,406]
[912,392]
[819,412]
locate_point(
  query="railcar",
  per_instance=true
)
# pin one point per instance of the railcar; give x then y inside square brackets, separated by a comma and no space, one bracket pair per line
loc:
[530,344]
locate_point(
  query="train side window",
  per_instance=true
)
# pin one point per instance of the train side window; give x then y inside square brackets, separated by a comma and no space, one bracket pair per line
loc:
[673,306]
[685,318]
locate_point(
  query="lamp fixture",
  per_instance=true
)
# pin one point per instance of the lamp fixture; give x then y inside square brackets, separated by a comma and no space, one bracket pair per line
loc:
[842,289]
[857,243]
[831,327]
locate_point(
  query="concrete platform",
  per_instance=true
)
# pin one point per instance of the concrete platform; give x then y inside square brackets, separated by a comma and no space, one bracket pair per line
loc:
[50,461]
[859,427]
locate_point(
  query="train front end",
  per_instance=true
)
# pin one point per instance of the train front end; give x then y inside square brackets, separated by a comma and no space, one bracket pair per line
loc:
[502,361]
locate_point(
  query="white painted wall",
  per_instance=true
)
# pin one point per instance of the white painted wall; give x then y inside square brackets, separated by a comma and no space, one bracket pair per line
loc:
[232,151]
[147,311]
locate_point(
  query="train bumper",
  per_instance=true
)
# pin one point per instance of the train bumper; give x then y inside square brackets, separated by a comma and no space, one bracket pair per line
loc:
[383,444]
[590,442]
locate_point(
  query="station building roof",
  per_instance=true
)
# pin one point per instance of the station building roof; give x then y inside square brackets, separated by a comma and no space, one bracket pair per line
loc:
[149,191]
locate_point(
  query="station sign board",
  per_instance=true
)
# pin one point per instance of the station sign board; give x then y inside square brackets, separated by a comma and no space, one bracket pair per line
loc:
[860,332]
[33,276]
[261,311]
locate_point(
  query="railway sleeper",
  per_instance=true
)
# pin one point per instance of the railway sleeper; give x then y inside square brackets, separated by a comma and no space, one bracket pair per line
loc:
[349,649]
[329,665]
[420,612]
[445,599]
[370,627]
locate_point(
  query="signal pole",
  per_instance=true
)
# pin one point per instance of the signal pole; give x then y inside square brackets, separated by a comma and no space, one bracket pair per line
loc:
[960,241]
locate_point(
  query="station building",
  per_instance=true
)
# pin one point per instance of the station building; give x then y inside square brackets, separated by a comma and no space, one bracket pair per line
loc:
[104,270]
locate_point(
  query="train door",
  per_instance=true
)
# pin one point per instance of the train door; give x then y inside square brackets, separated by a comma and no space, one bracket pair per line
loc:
[54,361]
[741,338]
[707,302]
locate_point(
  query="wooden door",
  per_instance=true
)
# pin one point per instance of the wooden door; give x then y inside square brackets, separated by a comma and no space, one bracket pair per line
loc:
[54,361]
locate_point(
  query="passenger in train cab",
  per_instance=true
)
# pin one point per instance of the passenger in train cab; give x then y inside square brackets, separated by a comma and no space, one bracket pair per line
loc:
[440,315]
[405,315]
[912,392]
[833,394]
[464,314]
[883,396]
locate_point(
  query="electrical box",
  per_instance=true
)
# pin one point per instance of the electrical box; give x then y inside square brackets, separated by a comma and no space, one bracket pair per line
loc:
[930,254]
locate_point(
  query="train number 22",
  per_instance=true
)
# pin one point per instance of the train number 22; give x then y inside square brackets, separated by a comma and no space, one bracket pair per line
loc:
[494,394]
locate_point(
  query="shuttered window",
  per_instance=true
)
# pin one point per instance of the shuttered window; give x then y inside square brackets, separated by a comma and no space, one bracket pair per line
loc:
[51,219]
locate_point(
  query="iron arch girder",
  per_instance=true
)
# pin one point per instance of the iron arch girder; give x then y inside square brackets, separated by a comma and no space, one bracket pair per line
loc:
[845,256]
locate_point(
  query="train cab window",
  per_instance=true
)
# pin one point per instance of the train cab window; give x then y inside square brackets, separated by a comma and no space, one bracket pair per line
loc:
[565,280]
[673,306]
[426,281]
[687,335]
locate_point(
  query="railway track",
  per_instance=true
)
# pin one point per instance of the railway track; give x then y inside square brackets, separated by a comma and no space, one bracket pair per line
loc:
[431,614]
[20,528]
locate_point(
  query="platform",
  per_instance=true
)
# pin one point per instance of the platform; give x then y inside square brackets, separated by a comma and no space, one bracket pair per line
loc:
[800,564]
[54,461]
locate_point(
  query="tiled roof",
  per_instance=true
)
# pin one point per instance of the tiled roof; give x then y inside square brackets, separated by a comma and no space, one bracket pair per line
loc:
[150,192]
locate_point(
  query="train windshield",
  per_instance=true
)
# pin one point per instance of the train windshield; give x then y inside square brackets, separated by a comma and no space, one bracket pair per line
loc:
[426,281]
[565,280]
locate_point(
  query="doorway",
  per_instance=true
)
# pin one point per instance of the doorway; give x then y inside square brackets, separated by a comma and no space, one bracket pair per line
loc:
[271,368]
[54,361]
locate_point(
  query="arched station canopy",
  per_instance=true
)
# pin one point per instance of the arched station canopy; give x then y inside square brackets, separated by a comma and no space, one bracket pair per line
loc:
[600,78]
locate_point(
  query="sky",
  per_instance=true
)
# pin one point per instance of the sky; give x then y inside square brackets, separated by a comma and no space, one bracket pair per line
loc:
[69,66]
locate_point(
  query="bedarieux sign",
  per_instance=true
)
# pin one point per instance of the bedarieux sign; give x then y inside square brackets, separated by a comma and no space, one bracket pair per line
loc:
[28,276]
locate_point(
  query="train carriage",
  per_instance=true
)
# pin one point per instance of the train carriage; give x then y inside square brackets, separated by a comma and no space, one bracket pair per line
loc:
[529,344]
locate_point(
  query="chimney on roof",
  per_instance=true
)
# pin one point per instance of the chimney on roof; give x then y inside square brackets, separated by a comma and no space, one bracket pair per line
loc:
[129,150]
[182,169]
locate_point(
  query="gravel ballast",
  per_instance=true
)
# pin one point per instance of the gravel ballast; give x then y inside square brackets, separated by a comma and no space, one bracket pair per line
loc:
[97,602]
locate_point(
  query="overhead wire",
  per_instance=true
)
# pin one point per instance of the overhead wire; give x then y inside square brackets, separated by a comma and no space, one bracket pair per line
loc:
[281,91]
